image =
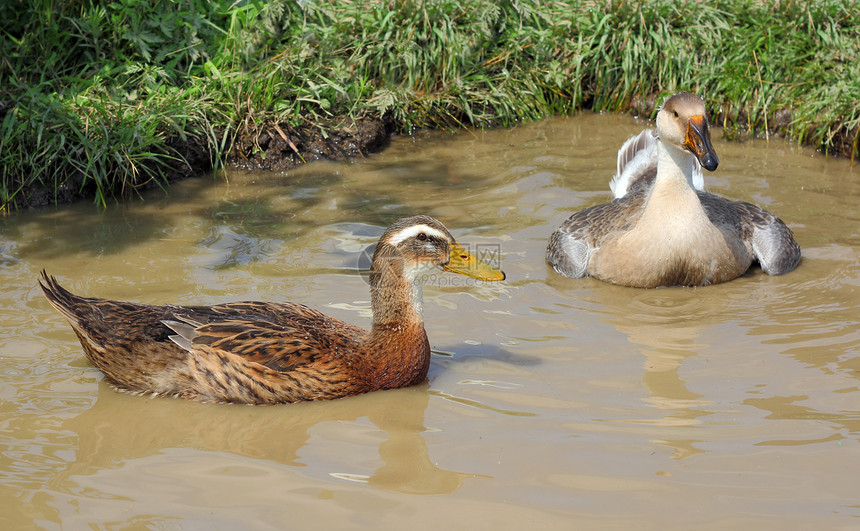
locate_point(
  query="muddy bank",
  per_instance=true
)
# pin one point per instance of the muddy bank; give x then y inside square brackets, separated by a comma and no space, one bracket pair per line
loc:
[270,147]
[280,146]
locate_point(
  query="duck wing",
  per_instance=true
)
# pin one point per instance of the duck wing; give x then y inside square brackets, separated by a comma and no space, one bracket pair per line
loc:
[768,238]
[571,245]
[280,336]
[636,164]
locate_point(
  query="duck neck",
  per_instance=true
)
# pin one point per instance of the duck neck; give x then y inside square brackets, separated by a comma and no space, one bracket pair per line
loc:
[397,350]
[674,166]
[395,295]
[672,201]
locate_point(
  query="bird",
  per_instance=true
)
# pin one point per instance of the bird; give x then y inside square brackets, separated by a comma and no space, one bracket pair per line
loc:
[274,352]
[662,228]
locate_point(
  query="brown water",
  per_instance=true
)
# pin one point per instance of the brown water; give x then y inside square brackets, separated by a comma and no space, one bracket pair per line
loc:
[550,404]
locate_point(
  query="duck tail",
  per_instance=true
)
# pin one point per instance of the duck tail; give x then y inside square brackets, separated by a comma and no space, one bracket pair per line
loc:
[59,297]
[80,314]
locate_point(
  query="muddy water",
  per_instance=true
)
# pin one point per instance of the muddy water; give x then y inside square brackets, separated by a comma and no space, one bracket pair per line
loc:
[550,403]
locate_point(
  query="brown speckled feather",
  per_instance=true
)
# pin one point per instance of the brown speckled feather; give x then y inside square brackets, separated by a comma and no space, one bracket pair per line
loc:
[260,332]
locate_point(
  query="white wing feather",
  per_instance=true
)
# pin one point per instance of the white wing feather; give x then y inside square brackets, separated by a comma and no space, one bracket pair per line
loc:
[637,158]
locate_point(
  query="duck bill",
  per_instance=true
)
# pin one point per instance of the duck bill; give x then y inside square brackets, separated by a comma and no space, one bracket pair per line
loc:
[698,142]
[464,263]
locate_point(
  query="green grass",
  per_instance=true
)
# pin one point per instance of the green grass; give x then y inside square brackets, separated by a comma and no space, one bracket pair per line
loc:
[95,98]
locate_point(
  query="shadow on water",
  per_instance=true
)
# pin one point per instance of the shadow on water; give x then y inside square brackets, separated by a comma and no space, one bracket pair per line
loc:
[60,231]
[245,209]
[124,226]
[466,352]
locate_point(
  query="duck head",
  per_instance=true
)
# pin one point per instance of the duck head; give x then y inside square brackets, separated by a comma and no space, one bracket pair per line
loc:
[407,251]
[421,243]
[681,122]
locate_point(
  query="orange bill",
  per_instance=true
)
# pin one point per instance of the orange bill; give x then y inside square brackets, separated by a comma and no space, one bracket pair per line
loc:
[698,142]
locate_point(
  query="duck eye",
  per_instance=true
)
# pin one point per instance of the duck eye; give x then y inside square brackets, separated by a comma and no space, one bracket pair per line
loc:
[421,236]
[675,113]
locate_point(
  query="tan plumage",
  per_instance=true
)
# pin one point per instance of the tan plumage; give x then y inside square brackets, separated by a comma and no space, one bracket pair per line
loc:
[663,229]
[266,352]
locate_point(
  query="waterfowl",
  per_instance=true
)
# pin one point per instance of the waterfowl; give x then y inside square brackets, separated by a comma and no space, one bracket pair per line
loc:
[662,228]
[270,352]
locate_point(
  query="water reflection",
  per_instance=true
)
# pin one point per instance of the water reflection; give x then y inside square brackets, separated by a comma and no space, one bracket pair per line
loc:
[274,434]
[649,319]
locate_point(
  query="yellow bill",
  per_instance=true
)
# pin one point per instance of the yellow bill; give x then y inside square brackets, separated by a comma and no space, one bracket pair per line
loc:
[462,262]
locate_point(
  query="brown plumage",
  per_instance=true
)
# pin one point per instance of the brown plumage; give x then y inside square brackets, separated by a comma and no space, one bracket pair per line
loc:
[663,229]
[266,352]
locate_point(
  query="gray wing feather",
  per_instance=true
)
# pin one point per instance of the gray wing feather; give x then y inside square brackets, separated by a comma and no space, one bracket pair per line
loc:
[185,333]
[567,254]
[572,244]
[771,241]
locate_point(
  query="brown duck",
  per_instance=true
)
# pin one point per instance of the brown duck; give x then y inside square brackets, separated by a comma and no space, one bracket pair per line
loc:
[269,352]
[663,229]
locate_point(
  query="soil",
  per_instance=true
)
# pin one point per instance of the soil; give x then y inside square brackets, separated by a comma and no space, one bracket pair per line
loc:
[279,147]
[271,146]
